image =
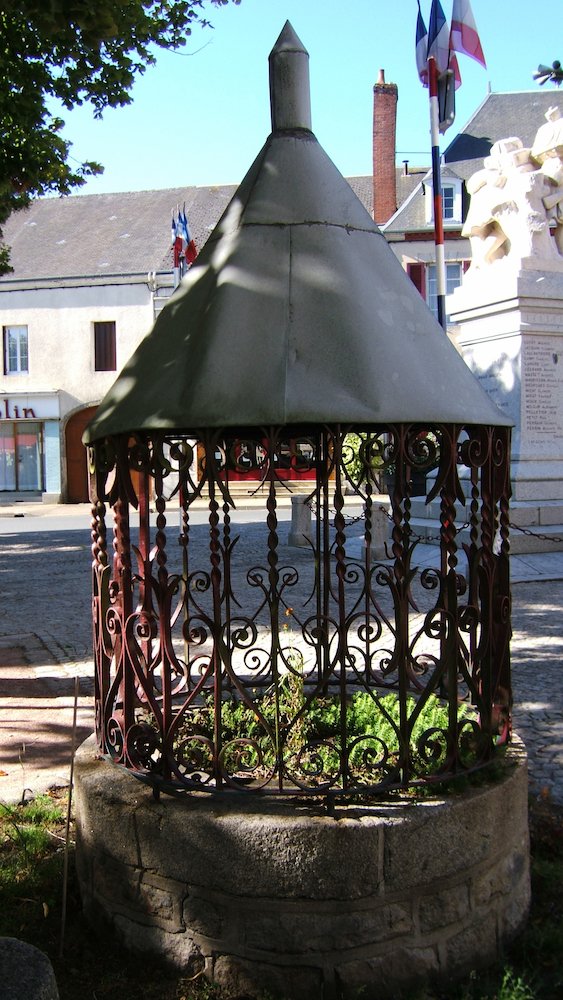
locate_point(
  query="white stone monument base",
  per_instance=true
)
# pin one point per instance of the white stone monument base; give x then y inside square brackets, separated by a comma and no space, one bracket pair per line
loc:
[508,325]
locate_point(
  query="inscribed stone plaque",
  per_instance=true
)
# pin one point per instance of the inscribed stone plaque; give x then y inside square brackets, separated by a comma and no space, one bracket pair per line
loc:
[496,365]
[542,394]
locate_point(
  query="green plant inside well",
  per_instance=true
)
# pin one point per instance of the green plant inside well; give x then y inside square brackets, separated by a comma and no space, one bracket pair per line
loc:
[309,733]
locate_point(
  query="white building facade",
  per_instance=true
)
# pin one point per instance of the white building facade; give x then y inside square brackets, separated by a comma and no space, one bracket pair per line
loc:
[62,348]
[89,275]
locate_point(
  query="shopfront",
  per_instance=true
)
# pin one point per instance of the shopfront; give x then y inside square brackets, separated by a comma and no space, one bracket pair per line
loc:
[30,460]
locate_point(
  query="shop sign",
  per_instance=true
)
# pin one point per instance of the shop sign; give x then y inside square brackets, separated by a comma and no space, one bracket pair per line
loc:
[29,406]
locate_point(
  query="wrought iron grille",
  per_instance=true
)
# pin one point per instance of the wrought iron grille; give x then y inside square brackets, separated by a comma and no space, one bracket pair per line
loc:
[227,660]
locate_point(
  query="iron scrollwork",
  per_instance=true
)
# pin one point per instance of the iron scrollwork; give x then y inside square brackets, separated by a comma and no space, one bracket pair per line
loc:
[229,663]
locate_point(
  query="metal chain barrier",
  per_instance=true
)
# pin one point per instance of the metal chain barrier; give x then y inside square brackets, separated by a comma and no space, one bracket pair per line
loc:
[536,534]
[349,521]
[312,505]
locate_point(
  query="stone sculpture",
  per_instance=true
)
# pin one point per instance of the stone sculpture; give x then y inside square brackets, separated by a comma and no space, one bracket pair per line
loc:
[516,208]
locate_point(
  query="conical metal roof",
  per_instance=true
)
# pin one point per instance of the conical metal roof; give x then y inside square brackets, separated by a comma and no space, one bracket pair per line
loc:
[296,311]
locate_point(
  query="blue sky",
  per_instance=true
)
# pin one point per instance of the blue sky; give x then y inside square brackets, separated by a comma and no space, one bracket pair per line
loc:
[201,116]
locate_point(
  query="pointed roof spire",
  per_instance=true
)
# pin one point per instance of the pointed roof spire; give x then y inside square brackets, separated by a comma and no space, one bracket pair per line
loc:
[290,95]
[296,312]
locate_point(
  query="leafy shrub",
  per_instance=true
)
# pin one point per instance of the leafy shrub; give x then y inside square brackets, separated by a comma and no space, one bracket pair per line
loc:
[309,728]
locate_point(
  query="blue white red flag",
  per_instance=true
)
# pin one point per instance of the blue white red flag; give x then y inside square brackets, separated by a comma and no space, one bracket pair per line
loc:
[190,250]
[185,250]
[177,241]
[183,226]
[454,67]
[421,49]
[438,37]
[463,35]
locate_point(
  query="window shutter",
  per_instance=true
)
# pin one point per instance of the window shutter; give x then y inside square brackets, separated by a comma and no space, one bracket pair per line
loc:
[416,273]
[104,347]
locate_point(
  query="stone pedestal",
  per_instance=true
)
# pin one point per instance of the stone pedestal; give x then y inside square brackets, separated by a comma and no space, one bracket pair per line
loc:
[268,896]
[508,325]
[380,531]
[300,533]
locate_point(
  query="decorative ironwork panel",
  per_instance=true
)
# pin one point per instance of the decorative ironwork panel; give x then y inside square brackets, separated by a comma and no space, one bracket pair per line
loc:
[226,659]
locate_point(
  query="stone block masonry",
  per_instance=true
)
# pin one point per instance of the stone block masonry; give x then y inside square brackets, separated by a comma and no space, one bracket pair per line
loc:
[272,897]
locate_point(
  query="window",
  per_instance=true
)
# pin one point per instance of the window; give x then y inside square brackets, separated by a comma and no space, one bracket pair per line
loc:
[15,350]
[451,200]
[21,449]
[453,279]
[448,201]
[104,347]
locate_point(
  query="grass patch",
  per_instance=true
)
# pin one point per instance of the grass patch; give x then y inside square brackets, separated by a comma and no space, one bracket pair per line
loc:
[31,842]
[94,967]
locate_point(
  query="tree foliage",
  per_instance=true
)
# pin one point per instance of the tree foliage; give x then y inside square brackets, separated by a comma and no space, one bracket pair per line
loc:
[72,51]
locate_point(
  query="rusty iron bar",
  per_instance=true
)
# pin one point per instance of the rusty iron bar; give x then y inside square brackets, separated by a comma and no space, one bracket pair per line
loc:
[325,673]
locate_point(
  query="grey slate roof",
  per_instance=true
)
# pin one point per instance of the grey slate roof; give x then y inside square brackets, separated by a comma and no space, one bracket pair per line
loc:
[411,216]
[106,234]
[127,232]
[363,189]
[500,116]
[116,234]
[408,182]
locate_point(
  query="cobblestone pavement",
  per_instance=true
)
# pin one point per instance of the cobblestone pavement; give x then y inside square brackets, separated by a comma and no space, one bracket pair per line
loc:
[45,642]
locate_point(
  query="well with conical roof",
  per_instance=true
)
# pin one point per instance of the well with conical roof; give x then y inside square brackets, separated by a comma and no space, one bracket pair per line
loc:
[295,701]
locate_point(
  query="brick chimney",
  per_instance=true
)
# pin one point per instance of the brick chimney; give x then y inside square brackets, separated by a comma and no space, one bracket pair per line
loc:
[385,97]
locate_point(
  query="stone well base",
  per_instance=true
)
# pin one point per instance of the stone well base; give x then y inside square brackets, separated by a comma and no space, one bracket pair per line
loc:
[271,897]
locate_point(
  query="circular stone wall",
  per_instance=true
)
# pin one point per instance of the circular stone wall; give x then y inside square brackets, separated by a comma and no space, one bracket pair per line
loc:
[269,896]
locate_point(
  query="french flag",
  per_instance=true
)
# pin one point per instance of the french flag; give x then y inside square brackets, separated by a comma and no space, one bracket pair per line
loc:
[463,36]
[454,67]
[190,250]
[438,37]
[421,49]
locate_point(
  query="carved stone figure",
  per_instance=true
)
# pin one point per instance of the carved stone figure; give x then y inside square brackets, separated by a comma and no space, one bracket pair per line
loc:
[548,152]
[516,208]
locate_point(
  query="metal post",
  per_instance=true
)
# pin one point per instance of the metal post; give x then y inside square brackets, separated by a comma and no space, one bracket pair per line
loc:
[437,190]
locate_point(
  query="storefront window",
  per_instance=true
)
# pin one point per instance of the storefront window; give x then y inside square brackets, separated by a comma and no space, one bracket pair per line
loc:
[20,456]
[7,457]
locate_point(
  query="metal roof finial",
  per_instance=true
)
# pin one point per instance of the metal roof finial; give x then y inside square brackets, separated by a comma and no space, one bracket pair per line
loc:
[290,95]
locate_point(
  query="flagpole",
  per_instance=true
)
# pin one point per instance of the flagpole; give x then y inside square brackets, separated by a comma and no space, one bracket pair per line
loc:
[437,190]
[176,271]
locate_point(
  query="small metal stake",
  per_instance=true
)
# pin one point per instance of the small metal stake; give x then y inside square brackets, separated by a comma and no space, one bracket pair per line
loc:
[68,814]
